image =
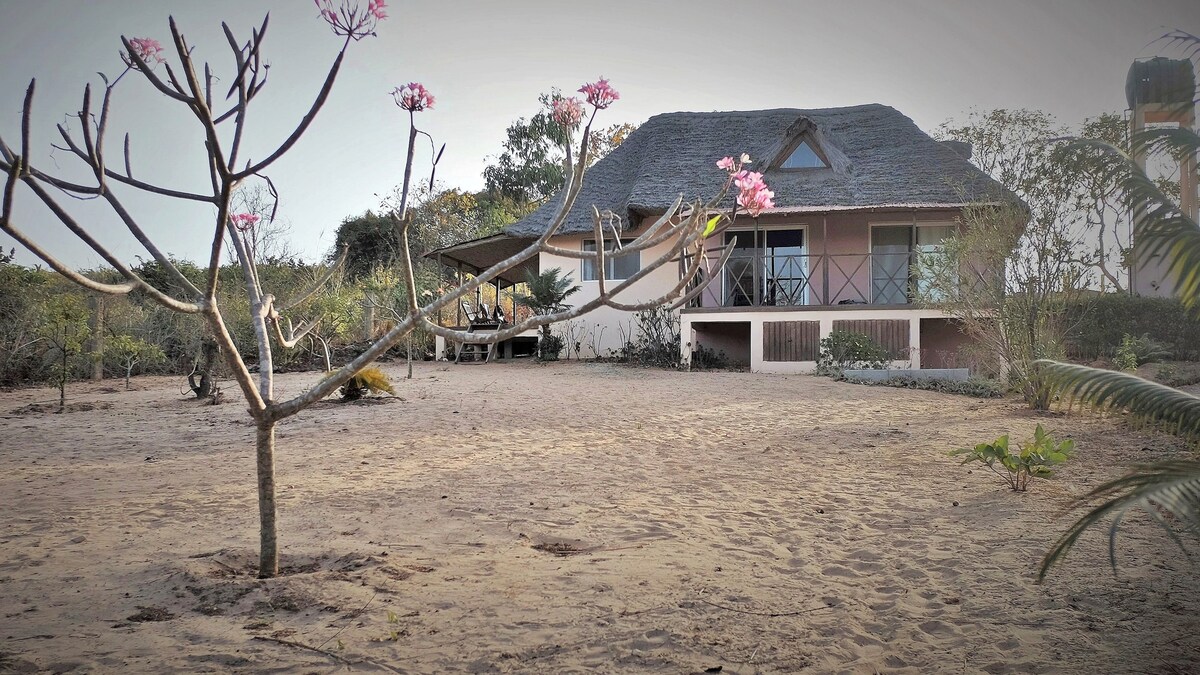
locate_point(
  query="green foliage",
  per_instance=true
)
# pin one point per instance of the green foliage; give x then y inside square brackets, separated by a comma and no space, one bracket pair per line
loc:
[1099,323]
[1032,459]
[1125,357]
[127,352]
[549,347]
[654,339]
[65,329]
[845,350]
[975,387]
[529,169]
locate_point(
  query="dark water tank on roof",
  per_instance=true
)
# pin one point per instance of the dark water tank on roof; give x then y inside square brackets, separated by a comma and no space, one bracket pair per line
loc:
[1160,80]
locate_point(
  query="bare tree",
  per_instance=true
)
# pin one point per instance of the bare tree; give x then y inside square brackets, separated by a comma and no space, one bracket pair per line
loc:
[680,231]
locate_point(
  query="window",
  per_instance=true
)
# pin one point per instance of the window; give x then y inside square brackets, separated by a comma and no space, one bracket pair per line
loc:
[908,265]
[804,157]
[776,258]
[615,267]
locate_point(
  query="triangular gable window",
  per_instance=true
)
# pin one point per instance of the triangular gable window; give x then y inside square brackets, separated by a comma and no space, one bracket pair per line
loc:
[804,157]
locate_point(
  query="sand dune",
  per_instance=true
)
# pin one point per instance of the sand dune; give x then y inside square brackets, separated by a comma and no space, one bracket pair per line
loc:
[570,518]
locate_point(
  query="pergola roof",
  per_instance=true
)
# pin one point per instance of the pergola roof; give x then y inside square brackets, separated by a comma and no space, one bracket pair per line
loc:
[476,255]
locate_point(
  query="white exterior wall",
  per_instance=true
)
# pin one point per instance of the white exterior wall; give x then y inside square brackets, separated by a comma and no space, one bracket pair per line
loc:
[606,322]
[825,317]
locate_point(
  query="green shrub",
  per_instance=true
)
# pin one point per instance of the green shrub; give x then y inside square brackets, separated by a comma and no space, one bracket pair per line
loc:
[1098,324]
[845,350]
[550,347]
[1125,358]
[975,387]
[1030,460]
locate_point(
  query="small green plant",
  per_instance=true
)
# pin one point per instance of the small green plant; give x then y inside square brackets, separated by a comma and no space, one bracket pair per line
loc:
[654,341]
[845,350]
[550,347]
[1029,460]
[1125,359]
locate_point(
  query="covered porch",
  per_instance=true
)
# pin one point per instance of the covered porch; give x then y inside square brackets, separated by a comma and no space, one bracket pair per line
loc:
[492,307]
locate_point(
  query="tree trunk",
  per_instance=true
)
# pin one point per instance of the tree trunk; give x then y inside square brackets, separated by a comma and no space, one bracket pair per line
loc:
[368,326]
[268,556]
[409,350]
[62,383]
[128,372]
[97,328]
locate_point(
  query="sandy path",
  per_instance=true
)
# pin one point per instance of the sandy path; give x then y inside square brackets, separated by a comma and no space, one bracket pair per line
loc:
[758,523]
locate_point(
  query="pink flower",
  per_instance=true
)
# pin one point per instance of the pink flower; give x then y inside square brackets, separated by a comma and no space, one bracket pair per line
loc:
[725,163]
[148,50]
[753,194]
[600,93]
[413,97]
[243,221]
[349,20]
[568,112]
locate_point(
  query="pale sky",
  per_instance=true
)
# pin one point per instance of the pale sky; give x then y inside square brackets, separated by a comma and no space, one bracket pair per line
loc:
[486,62]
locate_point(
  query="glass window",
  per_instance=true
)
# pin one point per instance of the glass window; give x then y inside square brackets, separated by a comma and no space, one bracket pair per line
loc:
[804,157]
[615,267]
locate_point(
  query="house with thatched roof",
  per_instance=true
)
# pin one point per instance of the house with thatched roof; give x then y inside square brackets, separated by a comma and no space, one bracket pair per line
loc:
[860,193]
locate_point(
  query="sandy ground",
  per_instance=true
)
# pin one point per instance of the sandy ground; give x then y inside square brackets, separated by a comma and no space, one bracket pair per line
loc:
[711,522]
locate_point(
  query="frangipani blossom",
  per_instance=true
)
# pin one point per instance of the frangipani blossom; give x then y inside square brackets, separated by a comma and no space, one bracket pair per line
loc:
[600,93]
[413,97]
[148,50]
[243,221]
[350,20]
[753,194]
[725,163]
[568,112]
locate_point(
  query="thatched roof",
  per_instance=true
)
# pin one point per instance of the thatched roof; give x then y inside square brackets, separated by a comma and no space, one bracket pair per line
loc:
[878,158]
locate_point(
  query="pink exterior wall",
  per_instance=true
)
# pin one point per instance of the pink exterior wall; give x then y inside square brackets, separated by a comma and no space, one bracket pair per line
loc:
[942,344]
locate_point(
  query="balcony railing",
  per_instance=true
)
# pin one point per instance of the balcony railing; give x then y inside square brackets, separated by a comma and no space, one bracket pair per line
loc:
[753,279]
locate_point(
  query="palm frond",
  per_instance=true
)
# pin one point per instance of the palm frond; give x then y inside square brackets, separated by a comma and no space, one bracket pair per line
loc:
[1172,487]
[1147,401]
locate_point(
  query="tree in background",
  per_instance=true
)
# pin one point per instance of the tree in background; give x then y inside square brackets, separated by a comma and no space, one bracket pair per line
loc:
[127,352]
[64,327]
[529,169]
[1022,260]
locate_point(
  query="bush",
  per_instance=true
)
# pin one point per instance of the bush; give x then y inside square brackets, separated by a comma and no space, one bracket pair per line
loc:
[844,350]
[550,347]
[708,359]
[654,341]
[975,387]
[1098,324]
[1126,358]
[1030,460]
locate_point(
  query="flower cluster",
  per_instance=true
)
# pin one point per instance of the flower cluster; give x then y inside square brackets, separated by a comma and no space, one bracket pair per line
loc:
[147,50]
[568,112]
[413,97]
[243,221]
[349,20]
[600,93]
[753,194]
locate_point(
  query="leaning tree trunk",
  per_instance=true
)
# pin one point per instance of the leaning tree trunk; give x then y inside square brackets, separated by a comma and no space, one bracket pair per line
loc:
[204,388]
[268,556]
